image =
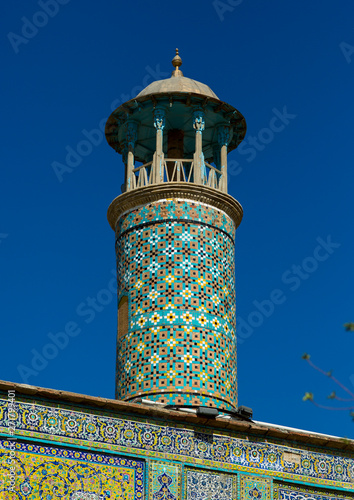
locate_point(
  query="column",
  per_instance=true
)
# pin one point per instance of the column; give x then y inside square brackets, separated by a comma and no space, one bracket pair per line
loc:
[223,140]
[198,160]
[124,186]
[159,124]
[131,134]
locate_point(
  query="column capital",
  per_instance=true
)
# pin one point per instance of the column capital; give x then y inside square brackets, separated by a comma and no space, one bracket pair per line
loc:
[131,133]
[199,120]
[159,117]
[224,135]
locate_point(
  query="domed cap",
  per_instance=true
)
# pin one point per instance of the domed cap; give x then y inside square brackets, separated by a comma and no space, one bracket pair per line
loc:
[179,97]
[177,83]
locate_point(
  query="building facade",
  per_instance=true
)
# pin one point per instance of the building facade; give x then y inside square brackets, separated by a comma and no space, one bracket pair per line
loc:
[74,447]
[175,430]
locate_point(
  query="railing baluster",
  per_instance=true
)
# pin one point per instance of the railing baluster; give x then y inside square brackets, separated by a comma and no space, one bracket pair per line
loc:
[190,172]
[175,170]
[139,178]
[166,171]
[183,169]
[145,177]
[178,166]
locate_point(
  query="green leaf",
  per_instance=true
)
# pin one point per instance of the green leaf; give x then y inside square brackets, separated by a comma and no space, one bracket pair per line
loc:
[308,396]
[349,327]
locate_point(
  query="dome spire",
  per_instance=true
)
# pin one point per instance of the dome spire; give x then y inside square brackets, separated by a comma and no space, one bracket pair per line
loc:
[177,62]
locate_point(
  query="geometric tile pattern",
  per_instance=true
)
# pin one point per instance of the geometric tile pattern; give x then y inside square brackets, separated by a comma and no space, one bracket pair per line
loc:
[47,472]
[185,443]
[164,481]
[255,488]
[176,267]
[201,485]
[176,209]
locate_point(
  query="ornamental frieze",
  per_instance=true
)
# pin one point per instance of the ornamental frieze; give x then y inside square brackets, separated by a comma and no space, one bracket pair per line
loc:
[188,445]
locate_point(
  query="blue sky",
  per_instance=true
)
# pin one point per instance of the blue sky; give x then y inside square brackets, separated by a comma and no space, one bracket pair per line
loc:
[294,178]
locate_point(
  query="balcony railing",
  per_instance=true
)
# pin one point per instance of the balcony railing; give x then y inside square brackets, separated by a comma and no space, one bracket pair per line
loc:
[176,170]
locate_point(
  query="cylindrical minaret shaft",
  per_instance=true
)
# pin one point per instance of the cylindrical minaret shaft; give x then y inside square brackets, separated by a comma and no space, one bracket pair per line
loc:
[176,265]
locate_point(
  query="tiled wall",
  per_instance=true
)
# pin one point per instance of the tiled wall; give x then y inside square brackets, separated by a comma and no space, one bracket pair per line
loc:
[59,451]
[49,473]
[175,263]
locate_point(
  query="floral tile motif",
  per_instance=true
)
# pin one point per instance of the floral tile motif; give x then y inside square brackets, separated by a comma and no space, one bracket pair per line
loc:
[164,481]
[255,488]
[47,472]
[202,485]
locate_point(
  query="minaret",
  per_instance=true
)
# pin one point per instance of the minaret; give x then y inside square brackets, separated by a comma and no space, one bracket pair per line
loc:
[175,239]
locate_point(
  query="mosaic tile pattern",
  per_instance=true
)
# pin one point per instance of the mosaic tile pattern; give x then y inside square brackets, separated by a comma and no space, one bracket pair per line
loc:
[164,481]
[202,485]
[186,444]
[178,274]
[255,488]
[302,493]
[176,209]
[44,472]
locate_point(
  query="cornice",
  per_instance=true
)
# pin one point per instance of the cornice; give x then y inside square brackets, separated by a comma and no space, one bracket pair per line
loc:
[155,192]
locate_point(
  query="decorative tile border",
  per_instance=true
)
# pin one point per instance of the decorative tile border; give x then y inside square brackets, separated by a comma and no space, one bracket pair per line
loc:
[177,209]
[285,492]
[177,443]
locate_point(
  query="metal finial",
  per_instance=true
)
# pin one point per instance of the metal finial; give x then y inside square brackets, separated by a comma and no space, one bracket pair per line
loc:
[177,62]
